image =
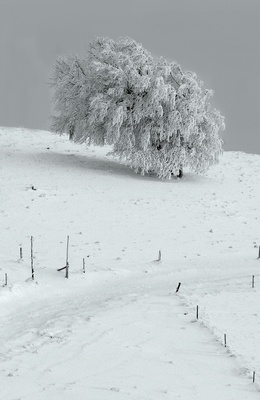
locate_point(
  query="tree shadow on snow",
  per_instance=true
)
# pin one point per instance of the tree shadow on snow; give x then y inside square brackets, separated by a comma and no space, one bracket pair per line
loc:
[104,164]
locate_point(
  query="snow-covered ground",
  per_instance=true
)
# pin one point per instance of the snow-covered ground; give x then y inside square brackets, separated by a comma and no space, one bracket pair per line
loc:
[120,331]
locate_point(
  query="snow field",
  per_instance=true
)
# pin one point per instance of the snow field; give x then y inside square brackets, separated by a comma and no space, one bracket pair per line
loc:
[120,331]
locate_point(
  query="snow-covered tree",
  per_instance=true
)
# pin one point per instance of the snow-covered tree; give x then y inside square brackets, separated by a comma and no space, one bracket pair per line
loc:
[71,86]
[155,116]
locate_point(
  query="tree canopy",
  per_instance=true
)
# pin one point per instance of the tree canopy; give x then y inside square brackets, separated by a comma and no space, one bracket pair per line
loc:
[154,115]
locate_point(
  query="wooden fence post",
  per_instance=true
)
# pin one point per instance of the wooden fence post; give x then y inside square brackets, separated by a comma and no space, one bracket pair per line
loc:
[178,287]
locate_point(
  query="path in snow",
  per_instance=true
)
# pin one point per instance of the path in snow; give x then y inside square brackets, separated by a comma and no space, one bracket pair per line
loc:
[125,341]
[119,330]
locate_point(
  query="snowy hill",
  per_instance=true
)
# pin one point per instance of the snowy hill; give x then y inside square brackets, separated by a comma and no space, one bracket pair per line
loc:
[120,331]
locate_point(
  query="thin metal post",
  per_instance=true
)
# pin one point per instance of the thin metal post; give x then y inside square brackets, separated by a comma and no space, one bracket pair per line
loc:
[32,266]
[67,258]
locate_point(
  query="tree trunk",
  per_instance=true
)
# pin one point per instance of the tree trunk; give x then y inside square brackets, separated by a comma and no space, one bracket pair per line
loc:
[180,174]
[71,132]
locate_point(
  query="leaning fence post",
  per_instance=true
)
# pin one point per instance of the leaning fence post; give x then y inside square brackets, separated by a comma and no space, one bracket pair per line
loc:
[178,287]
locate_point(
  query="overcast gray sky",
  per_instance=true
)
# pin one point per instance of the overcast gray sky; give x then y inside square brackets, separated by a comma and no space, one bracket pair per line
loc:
[217,39]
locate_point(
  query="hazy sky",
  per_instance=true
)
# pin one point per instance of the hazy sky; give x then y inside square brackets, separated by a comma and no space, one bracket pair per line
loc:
[217,39]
